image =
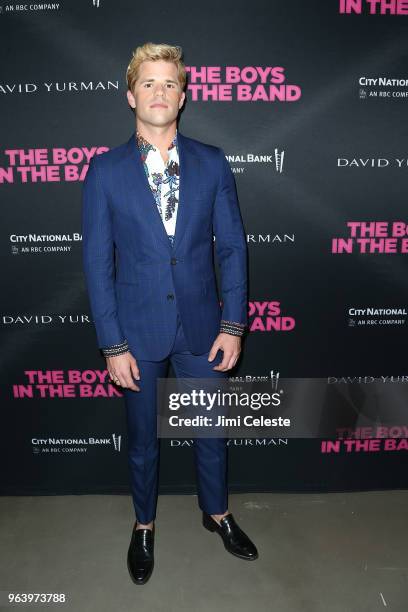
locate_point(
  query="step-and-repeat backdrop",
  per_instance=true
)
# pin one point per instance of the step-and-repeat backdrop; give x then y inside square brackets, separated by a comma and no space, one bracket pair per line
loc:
[309,102]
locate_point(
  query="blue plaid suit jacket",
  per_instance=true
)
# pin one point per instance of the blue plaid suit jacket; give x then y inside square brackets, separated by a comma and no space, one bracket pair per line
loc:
[136,280]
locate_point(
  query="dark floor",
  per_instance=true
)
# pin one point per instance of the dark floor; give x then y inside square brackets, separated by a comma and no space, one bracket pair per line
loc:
[337,552]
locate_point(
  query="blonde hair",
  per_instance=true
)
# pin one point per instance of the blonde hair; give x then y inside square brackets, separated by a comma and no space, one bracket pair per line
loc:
[155,52]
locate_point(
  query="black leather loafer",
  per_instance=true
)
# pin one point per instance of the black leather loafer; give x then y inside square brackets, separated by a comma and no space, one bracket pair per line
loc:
[235,540]
[140,558]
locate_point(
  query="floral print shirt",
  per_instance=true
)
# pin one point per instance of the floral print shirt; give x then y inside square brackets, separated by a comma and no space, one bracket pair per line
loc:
[164,178]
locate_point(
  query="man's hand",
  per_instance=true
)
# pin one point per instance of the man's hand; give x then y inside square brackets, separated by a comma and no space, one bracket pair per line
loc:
[121,368]
[231,347]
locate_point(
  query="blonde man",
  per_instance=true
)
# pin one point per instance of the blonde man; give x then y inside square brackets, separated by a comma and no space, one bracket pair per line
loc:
[156,201]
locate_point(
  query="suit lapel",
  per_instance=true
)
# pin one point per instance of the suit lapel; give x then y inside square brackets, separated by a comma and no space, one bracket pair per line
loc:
[139,184]
[189,181]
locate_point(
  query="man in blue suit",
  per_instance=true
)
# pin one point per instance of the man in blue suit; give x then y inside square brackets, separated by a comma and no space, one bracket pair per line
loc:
[150,209]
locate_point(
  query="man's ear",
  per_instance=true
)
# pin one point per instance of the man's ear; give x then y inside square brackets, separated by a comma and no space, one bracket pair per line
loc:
[182,99]
[131,99]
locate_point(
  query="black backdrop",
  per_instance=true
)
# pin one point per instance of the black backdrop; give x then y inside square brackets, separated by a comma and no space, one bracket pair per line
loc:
[330,148]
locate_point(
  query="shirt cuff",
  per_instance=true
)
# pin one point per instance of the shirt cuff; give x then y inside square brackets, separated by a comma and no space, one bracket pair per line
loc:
[115,349]
[233,328]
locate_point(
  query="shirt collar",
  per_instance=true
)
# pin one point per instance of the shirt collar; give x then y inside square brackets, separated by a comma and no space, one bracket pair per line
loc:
[145,146]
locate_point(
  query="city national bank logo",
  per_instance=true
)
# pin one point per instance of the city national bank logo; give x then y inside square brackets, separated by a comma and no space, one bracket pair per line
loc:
[382,87]
[267,317]
[43,244]
[252,158]
[272,376]
[75,445]
[373,7]
[372,238]
[372,316]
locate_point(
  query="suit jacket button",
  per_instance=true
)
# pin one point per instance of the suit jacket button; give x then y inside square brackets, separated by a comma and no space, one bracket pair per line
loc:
[170,296]
[173,261]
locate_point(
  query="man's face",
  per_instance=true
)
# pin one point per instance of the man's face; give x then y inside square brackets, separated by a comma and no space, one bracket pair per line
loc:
[157,95]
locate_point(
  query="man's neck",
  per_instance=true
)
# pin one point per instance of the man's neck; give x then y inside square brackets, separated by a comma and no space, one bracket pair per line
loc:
[160,137]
